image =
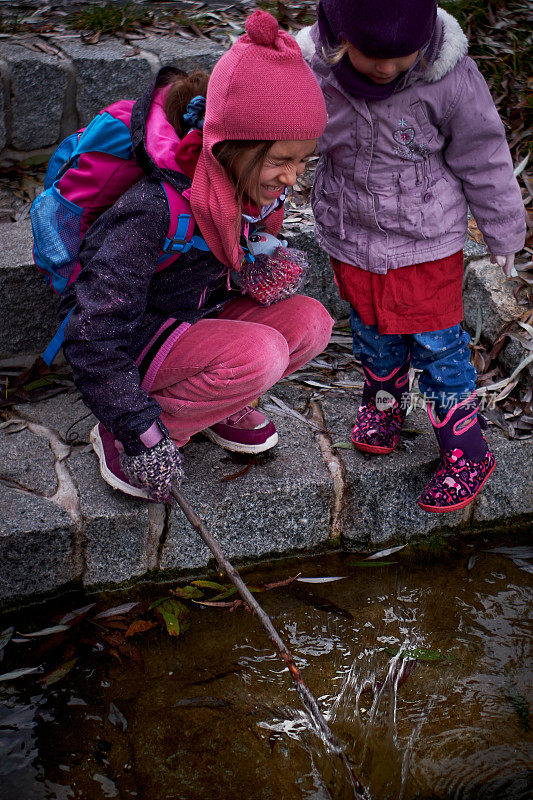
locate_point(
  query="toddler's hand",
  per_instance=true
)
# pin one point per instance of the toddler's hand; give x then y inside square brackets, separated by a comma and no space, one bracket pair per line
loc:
[506,263]
[155,469]
[272,278]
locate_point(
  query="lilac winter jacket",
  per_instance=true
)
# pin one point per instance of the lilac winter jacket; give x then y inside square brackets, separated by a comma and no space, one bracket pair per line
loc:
[395,175]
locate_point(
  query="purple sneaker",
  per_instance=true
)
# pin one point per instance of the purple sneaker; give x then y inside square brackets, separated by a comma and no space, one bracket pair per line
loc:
[108,450]
[247,431]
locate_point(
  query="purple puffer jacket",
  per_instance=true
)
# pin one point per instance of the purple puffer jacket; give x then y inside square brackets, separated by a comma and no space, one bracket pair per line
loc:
[395,176]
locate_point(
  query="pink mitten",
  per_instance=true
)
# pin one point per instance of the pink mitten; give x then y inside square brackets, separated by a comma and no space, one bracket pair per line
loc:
[272,278]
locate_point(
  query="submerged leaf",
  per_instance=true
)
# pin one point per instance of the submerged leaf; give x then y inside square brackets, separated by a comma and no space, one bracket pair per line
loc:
[389,551]
[18,673]
[522,564]
[520,551]
[76,615]
[140,626]
[419,653]
[116,717]
[328,579]
[114,612]
[370,563]
[45,632]
[215,604]
[6,636]
[59,673]
[209,585]
[227,593]
[174,614]
[201,702]
[321,603]
[521,706]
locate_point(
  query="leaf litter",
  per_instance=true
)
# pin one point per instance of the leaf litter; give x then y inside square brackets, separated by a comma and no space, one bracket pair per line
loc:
[52,652]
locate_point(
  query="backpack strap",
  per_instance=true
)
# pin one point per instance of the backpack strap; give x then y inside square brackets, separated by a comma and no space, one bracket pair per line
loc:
[180,237]
[56,343]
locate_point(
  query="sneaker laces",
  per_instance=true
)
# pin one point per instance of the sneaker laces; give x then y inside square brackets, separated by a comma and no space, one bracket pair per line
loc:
[241,415]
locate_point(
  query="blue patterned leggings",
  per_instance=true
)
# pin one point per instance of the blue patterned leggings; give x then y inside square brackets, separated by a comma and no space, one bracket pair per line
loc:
[443,356]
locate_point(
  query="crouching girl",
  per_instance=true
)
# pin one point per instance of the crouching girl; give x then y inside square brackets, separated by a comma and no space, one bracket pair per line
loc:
[160,354]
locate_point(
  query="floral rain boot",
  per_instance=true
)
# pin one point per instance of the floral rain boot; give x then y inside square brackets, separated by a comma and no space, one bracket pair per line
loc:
[381,415]
[466,461]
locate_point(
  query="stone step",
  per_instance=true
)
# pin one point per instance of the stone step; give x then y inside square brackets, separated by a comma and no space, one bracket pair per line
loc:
[62,525]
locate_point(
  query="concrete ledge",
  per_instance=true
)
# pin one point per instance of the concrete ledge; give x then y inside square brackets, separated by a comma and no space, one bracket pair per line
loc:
[61,523]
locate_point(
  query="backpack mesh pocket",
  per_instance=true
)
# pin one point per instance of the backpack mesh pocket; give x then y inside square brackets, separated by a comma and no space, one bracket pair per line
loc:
[56,233]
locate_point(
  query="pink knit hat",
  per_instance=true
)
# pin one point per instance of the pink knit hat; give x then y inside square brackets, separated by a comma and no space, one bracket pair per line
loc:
[260,89]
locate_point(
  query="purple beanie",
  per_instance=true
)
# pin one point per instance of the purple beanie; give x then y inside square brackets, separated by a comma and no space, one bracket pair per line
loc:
[378,28]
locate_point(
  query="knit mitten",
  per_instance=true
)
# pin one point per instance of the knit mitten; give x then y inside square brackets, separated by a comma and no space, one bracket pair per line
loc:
[155,469]
[271,278]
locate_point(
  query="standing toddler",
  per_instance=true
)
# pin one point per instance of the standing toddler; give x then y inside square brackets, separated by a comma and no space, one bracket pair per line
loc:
[413,138]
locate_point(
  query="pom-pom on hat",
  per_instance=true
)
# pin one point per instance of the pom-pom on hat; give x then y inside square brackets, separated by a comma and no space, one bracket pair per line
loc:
[261,89]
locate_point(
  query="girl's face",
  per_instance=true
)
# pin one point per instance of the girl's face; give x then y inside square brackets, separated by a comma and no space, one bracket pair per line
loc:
[380,70]
[282,165]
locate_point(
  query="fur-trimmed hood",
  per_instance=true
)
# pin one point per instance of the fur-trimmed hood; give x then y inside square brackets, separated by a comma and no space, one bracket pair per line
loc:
[453,48]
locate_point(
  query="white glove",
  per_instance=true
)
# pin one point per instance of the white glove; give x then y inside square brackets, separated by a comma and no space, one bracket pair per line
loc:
[506,263]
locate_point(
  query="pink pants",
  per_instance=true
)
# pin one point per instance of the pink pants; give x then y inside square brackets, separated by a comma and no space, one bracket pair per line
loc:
[220,365]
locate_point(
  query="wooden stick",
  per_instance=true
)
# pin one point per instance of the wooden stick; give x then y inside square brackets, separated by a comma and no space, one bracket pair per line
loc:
[307,698]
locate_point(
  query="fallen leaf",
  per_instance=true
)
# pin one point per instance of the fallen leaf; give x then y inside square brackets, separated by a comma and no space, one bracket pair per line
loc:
[117,718]
[45,632]
[18,673]
[389,551]
[187,592]
[328,579]
[174,614]
[5,638]
[419,653]
[321,603]
[113,612]
[59,673]
[209,585]
[474,232]
[140,626]
[201,702]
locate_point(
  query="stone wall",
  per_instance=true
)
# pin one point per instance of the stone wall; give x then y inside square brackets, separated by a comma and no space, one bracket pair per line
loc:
[46,96]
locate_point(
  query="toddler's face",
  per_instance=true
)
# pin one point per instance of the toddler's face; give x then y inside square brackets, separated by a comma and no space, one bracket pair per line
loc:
[282,165]
[380,70]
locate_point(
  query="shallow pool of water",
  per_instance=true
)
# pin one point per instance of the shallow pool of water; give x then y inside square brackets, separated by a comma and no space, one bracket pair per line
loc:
[422,668]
